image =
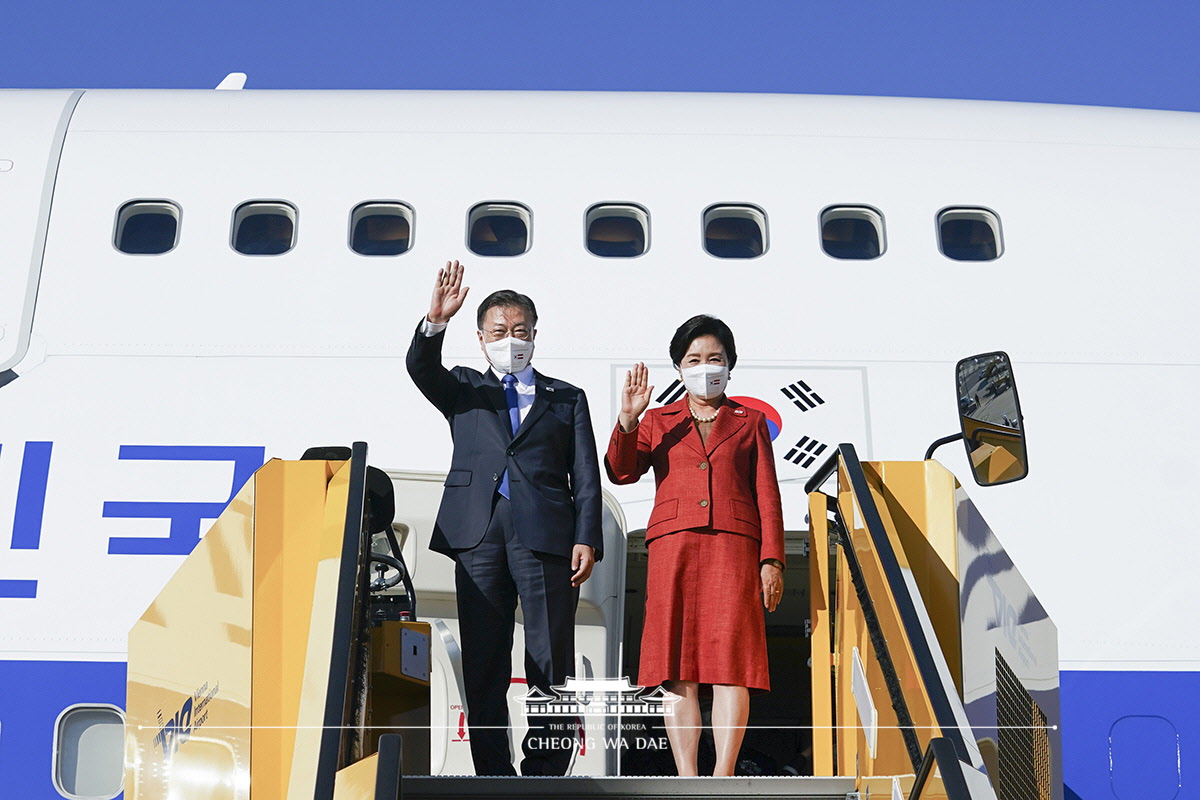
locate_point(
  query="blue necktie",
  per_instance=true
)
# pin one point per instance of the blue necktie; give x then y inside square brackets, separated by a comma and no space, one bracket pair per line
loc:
[514,421]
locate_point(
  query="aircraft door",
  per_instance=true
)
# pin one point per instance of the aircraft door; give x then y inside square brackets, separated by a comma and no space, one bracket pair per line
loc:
[34,129]
[777,741]
[597,630]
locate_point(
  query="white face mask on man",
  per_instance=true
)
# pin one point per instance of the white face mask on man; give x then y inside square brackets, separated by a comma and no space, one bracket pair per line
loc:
[509,355]
[705,381]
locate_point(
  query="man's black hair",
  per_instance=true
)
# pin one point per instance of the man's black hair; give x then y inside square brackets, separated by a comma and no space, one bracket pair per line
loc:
[506,298]
[702,325]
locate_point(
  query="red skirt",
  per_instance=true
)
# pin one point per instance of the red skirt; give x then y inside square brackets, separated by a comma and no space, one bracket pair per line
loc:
[704,612]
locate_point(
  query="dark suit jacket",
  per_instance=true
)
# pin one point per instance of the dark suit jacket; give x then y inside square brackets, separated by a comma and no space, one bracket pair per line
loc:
[727,484]
[554,475]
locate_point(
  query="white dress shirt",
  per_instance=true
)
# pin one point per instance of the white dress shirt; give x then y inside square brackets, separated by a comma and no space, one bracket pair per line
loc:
[526,389]
[525,386]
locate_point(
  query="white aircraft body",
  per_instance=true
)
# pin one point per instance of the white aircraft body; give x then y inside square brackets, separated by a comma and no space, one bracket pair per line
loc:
[140,389]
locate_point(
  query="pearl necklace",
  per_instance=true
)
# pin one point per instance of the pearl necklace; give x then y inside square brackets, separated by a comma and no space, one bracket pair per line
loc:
[703,419]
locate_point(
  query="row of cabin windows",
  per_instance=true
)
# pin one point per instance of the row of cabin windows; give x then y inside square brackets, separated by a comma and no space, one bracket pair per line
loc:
[612,230]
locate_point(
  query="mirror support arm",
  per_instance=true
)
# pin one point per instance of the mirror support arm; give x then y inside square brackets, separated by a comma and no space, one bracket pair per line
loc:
[944,440]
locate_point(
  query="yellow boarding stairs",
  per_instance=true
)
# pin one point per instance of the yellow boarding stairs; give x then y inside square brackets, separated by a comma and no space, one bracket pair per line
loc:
[271,666]
[934,667]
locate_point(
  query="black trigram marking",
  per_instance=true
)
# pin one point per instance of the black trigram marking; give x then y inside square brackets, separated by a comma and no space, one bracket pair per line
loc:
[805,452]
[804,398]
[671,393]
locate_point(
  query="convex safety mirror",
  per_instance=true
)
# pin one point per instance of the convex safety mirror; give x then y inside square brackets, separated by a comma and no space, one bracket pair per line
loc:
[990,414]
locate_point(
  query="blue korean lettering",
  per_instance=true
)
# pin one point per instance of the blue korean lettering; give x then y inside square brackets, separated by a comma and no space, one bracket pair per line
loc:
[26,590]
[31,496]
[27,519]
[184,533]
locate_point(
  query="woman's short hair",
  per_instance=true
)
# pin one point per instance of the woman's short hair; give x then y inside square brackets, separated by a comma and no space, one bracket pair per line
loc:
[702,325]
[506,298]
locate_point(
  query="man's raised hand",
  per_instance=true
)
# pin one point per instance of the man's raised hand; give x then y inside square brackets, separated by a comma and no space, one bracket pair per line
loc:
[448,293]
[635,396]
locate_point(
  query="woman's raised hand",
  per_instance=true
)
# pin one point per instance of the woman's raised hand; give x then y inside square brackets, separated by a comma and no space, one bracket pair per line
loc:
[635,396]
[448,293]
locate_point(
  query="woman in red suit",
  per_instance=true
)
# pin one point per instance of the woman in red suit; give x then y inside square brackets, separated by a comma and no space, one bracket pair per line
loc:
[715,539]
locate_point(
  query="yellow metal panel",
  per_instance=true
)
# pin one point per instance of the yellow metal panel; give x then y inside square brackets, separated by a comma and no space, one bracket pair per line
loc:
[322,619]
[883,786]
[189,686]
[822,678]
[300,516]
[396,702]
[917,506]
[850,632]
[357,781]
[891,754]
[916,499]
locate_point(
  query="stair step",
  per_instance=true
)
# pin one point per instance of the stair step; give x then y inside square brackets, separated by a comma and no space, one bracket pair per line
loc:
[615,788]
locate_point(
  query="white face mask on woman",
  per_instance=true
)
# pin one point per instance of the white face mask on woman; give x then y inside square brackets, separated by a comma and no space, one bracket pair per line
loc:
[510,355]
[705,381]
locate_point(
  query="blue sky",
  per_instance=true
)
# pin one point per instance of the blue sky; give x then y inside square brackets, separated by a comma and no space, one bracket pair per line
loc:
[1118,53]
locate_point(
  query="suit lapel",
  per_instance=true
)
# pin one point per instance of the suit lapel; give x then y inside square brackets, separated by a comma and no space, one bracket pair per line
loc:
[540,404]
[494,392]
[729,421]
[678,419]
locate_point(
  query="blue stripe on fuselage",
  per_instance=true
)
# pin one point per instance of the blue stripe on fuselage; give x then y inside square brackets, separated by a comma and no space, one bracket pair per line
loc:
[32,695]
[1130,735]
[1118,728]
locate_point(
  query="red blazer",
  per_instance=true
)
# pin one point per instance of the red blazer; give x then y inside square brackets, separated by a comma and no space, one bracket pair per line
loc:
[727,484]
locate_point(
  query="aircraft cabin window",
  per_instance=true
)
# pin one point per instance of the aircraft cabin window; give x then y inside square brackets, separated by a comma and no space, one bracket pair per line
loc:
[147,227]
[617,230]
[852,232]
[735,231]
[499,229]
[89,743]
[264,228]
[969,234]
[381,228]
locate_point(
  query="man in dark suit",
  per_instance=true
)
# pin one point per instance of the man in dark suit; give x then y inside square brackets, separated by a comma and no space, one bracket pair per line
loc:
[520,514]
